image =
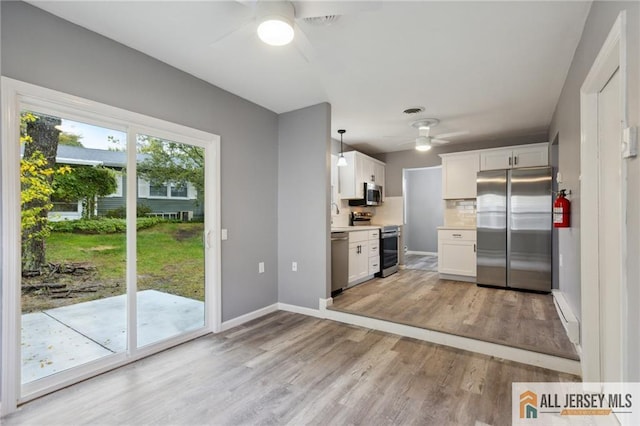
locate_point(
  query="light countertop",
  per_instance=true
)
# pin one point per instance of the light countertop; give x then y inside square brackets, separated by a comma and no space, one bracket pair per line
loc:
[353,228]
[464,227]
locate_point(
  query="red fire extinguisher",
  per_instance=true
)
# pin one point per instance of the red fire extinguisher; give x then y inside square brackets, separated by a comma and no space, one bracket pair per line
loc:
[561,210]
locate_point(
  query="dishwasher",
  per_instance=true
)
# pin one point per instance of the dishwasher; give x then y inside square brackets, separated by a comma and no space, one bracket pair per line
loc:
[339,261]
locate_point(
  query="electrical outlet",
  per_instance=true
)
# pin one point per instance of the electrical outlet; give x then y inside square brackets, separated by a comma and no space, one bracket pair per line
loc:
[223,234]
[294,266]
[560,260]
[261,267]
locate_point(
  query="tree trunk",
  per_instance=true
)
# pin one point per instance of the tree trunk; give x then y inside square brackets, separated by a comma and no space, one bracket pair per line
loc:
[44,137]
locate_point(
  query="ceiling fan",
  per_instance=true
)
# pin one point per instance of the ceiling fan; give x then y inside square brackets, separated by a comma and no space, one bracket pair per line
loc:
[276,22]
[424,141]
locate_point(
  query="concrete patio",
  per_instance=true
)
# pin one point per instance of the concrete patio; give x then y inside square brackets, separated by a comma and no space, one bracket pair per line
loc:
[58,339]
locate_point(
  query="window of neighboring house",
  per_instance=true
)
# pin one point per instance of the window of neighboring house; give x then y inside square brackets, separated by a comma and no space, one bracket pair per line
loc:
[64,206]
[157,190]
[182,190]
[179,190]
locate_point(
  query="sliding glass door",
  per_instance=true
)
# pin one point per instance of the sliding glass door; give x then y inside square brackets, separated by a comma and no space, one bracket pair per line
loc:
[109,221]
[170,250]
[73,244]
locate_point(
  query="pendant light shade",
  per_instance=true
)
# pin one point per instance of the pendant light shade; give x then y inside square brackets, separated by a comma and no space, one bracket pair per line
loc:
[341,161]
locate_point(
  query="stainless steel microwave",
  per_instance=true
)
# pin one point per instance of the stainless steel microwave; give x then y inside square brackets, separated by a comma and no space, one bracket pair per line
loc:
[372,196]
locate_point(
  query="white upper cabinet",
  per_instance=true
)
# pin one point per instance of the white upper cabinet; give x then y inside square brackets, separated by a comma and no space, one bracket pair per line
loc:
[359,169]
[459,173]
[514,157]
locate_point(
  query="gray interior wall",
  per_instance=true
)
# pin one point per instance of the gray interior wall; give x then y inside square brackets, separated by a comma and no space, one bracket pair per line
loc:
[42,49]
[412,159]
[304,160]
[566,123]
[424,208]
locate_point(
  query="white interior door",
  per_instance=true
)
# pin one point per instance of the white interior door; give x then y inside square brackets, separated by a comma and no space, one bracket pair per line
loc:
[609,230]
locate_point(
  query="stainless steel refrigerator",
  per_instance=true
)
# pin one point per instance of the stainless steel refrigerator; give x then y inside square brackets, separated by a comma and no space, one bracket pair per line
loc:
[514,219]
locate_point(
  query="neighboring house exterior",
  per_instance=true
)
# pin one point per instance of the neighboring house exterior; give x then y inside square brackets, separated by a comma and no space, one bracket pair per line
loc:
[174,200]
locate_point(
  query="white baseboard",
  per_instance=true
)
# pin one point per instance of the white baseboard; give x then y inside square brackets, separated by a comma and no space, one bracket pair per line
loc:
[301,310]
[492,349]
[325,302]
[457,278]
[248,317]
[569,320]
[422,253]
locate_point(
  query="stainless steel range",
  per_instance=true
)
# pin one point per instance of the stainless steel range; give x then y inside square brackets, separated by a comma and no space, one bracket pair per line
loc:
[389,246]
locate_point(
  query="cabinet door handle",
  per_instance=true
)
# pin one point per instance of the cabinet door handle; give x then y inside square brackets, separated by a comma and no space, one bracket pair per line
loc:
[515,160]
[474,247]
[509,160]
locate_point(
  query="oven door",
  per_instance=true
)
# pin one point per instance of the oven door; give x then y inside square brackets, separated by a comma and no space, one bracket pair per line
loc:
[389,252]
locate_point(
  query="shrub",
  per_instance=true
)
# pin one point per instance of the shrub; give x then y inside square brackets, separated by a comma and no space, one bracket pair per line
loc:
[121,212]
[101,225]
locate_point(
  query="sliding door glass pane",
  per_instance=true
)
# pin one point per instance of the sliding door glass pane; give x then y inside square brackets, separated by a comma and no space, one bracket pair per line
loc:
[73,244]
[170,248]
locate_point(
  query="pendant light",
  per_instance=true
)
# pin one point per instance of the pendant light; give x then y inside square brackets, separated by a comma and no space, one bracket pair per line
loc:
[341,161]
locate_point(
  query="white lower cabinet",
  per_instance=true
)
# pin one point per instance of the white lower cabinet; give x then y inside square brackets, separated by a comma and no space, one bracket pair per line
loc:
[358,255]
[374,252]
[457,253]
[364,254]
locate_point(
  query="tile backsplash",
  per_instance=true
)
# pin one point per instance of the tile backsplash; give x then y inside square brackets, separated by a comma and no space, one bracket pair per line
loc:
[460,212]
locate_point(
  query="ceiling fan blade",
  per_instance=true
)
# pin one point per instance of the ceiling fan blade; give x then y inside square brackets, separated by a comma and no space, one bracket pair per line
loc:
[438,141]
[245,30]
[411,142]
[453,134]
[312,9]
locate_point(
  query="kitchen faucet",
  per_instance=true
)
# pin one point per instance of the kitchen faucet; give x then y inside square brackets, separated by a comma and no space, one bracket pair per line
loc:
[337,208]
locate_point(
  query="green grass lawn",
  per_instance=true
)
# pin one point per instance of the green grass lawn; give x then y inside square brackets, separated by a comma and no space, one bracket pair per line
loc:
[170,259]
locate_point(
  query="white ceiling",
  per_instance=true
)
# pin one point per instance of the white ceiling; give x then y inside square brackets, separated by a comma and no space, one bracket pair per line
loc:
[495,69]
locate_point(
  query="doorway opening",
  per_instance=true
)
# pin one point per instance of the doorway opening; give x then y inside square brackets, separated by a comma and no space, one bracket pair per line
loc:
[423,212]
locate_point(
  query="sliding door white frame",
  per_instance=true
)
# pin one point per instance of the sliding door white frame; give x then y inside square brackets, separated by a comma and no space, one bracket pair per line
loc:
[18,95]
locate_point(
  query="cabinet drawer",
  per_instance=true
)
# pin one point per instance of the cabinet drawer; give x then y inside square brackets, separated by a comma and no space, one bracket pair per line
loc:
[374,265]
[457,234]
[358,236]
[374,248]
[374,235]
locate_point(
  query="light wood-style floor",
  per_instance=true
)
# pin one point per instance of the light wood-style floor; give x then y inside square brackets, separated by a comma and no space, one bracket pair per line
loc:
[422,262]
[292,369]
[419,298]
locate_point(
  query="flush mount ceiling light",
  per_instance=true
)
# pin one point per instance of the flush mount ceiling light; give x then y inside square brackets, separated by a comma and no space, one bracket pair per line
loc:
[341,161]
[275,26]
[423,142]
